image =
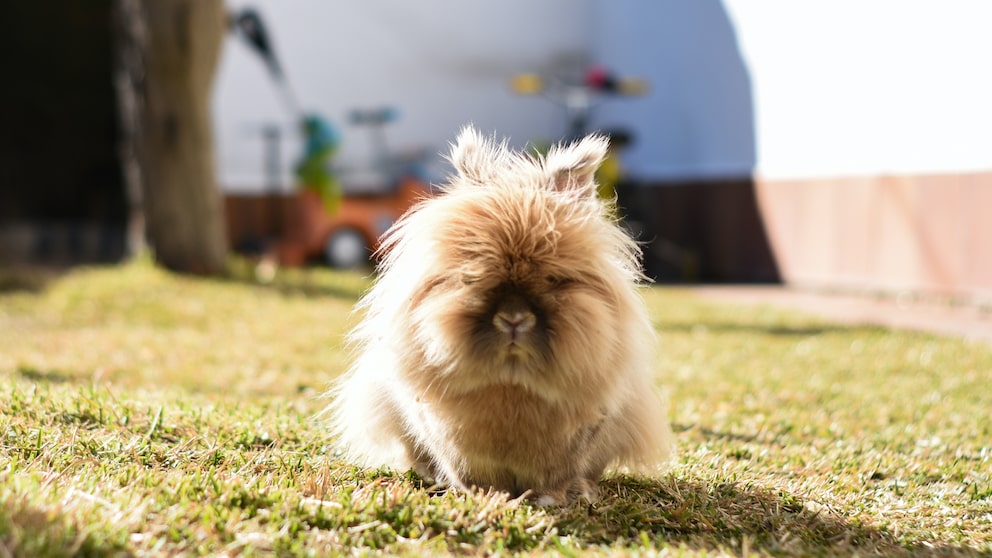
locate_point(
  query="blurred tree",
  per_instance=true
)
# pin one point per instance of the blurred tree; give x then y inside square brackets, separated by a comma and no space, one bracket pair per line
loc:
[167,52]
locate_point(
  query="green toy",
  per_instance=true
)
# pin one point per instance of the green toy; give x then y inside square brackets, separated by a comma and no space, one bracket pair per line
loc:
[313,170]
[320,137]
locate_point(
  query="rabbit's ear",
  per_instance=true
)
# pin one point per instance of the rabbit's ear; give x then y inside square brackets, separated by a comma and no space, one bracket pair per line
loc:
[477,159]
[572,166]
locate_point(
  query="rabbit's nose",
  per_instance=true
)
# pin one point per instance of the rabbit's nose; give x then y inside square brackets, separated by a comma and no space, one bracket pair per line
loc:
[515,323]
[514,316]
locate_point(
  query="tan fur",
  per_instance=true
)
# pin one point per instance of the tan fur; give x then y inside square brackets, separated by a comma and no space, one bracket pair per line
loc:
[504,344]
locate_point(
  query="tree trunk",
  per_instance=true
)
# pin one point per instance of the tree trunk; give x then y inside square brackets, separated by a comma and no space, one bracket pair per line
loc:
[183,214]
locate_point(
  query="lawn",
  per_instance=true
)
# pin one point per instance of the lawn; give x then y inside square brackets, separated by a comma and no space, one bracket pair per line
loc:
[151,414]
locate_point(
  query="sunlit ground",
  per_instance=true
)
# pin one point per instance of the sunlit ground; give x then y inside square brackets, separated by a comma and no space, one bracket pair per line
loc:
[143,412]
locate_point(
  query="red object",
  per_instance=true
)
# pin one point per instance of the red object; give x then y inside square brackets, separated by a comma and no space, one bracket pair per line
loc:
[370,216]
[598,77]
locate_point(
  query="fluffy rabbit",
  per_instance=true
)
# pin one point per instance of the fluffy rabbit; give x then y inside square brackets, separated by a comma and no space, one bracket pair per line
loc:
[504,344]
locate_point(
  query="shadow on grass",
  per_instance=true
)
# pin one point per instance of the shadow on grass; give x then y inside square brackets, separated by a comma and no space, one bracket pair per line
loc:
[26,530]
[768,438]
[774,330]
[305,282]
[638,514]
[738,517]
[50,376]
[27,278]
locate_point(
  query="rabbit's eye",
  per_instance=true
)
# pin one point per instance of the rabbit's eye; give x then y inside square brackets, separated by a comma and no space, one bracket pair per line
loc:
[468,279]
[557,280]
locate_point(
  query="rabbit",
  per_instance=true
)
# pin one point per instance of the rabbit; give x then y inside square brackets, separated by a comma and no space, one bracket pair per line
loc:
[505,344]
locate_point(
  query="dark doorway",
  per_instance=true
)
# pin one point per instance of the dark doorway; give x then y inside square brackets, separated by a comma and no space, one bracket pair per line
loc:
[61,192]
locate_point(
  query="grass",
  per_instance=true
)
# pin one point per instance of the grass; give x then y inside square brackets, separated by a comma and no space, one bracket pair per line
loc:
[143,413]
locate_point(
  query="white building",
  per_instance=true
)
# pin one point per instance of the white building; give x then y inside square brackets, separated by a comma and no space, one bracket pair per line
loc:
[819,102]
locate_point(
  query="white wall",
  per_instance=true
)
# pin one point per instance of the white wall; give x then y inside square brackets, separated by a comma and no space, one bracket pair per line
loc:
[440,63]
[697,119]
[783,88]
[865,87]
